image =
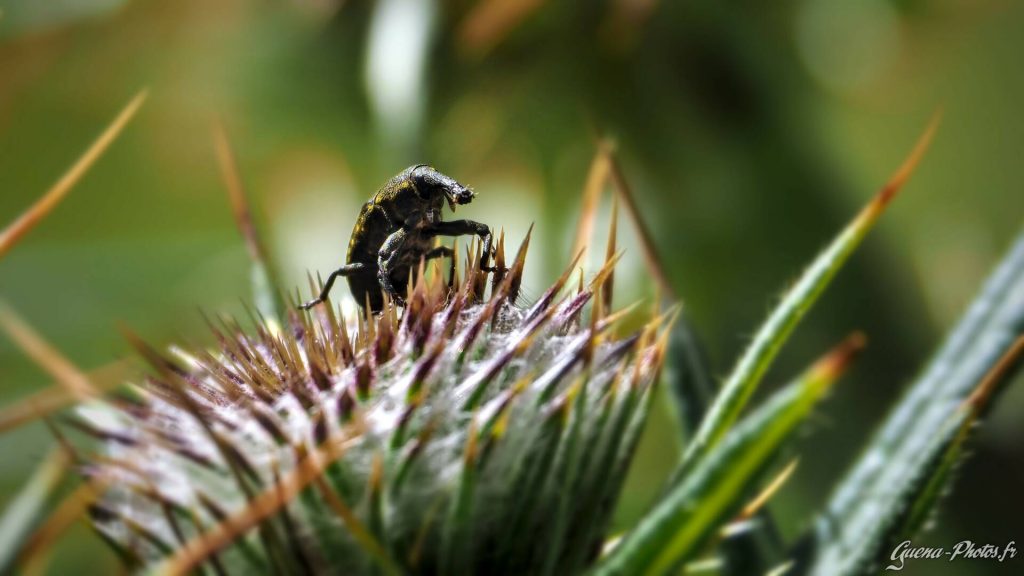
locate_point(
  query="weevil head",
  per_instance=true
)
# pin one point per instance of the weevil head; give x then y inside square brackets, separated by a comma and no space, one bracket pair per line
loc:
[434,186]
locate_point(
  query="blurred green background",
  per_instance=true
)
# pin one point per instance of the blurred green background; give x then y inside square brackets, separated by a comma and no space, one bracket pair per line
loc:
[750,135]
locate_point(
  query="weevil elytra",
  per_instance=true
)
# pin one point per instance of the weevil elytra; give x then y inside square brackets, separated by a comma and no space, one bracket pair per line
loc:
[396,228]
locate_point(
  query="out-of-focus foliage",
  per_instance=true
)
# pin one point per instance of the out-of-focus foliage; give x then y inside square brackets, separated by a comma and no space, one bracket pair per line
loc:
[750,133]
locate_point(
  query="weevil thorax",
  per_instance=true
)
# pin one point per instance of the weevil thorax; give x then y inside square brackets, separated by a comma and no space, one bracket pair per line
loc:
[436,188]
[416,195]
[404,204]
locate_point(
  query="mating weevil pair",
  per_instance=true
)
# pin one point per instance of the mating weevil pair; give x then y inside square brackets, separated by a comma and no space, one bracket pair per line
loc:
[396,229]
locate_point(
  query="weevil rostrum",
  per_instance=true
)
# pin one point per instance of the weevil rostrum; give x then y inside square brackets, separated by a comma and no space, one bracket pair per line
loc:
[396,228]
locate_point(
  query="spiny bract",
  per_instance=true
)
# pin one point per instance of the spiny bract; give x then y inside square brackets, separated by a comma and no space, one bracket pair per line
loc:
[469,434]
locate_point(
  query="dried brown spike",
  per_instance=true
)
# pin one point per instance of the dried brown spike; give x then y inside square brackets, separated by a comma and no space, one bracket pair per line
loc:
[544,302]
[46,356]
[766,494]
[89,429]
[499,263]
[340,339]
[606,270]
[981,395]
[470,334]
[453,271]
[516,273]
[597,177]
[385,337]
[837,360]
[371,333]
[69,511]
[270,423]
[364,379]
[609,253]
[55,398]
[596,313]
[438,291]
[346,404]
[162,364]
[269,296]
[236,193]
[479,276]
[28,219]
[650,252]
[896,182]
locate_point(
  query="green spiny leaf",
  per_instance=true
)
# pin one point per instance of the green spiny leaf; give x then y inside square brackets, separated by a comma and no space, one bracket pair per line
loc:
[893,485]
[693,389]
[750,369]
[673,531]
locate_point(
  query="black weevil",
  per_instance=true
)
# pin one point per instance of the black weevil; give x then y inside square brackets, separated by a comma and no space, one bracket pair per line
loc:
[396,228]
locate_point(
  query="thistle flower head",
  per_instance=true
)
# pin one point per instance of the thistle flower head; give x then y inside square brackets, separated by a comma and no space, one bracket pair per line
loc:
[465,433]
[470,433]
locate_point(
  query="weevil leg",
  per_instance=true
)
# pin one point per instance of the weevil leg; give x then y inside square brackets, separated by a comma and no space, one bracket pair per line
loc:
[463,227]
[388,259]
[439,252]
[343,271]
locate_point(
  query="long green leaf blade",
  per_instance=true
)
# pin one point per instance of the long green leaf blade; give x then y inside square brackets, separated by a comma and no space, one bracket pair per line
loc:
[693,389]
[960,426]
[890,483]
[750,369]
[672,533]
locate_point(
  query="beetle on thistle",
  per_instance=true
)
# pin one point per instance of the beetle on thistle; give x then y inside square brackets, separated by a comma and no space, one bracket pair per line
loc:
[396,228]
